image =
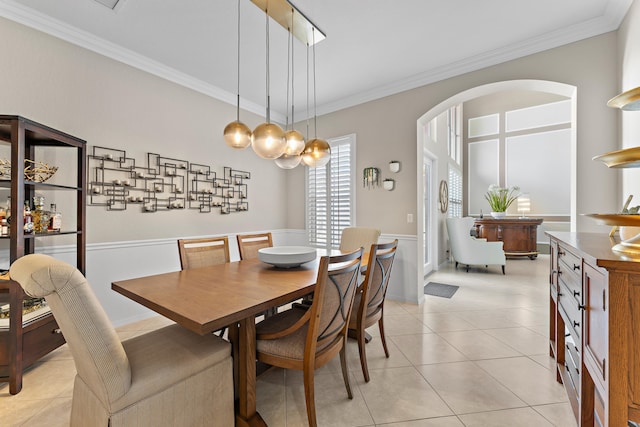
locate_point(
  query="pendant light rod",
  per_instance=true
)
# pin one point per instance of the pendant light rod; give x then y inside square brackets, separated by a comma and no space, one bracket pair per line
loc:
[238,82]
[281,11]
[315,110]
[268,116]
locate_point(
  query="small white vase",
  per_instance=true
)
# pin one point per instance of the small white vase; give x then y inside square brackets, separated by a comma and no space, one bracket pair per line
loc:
[498,215]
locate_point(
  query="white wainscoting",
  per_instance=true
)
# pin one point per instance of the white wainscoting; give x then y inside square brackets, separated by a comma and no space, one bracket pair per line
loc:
[109,262]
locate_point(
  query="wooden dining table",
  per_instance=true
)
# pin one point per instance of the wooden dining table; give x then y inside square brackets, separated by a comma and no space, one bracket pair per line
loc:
[231,295]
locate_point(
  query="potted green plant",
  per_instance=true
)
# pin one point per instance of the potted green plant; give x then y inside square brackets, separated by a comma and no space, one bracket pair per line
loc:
[500,198]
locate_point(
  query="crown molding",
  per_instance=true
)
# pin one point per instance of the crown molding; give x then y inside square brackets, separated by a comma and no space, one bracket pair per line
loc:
[38,21]
[609,21]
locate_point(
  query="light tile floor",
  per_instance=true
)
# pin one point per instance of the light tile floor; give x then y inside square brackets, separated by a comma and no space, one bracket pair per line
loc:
[480,358]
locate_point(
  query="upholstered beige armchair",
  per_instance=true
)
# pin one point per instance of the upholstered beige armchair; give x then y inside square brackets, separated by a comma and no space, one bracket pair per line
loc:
[170,377]
[469,250]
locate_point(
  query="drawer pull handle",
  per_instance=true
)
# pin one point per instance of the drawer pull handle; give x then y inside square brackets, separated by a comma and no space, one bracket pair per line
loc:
[56,331]
[576,266]
[576,293]
[576,324]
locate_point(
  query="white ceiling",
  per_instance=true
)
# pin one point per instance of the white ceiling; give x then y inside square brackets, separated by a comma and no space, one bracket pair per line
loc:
[373,48]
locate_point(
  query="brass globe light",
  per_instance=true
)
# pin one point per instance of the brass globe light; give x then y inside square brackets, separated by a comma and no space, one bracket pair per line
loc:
[287,161]
[268,141]
[237,135]
[316,153]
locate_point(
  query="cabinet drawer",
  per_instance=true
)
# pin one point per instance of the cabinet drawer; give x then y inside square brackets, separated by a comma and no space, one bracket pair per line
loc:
[570,273]
[570,311]
[571,261]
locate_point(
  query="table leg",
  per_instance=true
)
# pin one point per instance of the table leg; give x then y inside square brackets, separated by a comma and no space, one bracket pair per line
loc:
[246,414]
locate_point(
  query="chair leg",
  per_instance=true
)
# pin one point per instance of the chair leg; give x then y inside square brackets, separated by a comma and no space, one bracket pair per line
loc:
[309,395]
[467,268]
[363,353]
[456,265]
[503,270]
[343,364]
[383,337]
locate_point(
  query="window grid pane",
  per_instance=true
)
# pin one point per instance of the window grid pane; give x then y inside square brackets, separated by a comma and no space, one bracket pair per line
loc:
[330,196]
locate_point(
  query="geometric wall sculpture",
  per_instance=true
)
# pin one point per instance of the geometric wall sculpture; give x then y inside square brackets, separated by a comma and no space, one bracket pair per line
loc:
[115,181]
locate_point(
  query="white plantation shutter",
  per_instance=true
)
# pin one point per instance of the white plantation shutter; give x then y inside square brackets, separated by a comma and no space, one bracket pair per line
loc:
[455,193]
[331,194]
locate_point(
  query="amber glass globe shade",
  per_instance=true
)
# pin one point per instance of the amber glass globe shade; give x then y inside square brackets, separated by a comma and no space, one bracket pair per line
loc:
[268,141]
[237,135]
[295,142]
[287,161]
[316,153]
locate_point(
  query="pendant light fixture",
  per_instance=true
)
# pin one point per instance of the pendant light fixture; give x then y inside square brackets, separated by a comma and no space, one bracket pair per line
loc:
[295,140]
[268,138]
[317,152]
[236,133]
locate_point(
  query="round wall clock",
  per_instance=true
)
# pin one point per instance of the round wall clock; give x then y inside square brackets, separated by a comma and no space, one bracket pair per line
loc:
[444,196]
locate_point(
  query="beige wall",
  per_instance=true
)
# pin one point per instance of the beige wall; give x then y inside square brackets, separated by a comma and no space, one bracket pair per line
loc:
[629,51]
[386,129]
[114,105]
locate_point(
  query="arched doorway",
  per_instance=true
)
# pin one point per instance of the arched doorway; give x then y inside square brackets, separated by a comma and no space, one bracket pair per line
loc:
[430,216]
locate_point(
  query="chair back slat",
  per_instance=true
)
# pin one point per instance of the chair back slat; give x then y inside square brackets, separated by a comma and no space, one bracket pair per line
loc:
[376,282]
[249,244]
[333,297]
[196,253]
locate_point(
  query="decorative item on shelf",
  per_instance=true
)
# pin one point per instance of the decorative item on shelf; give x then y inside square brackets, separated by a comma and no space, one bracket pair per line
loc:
[394,166]
[371,177]
[236,133]
[33,171]
[443,196]
[629,218]
[524,204]
[388,184]
[500,198]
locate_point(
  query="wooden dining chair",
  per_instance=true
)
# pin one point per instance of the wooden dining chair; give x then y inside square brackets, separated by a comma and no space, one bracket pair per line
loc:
[368,306]
[196,253]
[353,238]
[307,339]
[249,244]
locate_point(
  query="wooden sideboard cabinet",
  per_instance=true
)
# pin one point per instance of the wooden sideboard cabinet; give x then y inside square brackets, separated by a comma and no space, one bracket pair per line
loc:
[517,234]
[595,327]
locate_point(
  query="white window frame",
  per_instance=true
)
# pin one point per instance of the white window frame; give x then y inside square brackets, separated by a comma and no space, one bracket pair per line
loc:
[348,144]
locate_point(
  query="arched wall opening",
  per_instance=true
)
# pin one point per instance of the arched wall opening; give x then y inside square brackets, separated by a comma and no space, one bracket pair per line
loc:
[425,150]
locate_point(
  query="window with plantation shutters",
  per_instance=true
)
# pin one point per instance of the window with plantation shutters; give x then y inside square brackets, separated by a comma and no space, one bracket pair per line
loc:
[455,193]
[331,194]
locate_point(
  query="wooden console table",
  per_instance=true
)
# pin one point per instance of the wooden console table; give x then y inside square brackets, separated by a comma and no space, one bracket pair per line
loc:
[595,327]
[517,234]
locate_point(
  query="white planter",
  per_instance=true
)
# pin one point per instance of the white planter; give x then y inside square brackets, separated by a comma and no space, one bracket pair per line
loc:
[498,215]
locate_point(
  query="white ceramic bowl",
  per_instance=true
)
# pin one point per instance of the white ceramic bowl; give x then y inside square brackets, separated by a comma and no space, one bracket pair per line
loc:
[287,256]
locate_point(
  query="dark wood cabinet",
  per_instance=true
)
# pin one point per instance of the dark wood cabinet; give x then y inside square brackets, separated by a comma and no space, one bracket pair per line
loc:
[597,327]
[25,341]
[517,234]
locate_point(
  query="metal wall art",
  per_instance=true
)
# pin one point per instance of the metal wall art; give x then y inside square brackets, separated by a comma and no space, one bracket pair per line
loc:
[164,184]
